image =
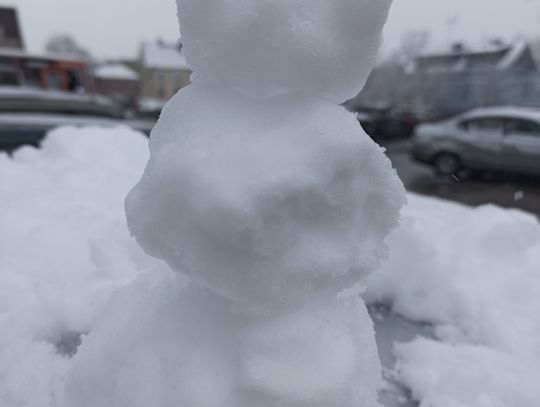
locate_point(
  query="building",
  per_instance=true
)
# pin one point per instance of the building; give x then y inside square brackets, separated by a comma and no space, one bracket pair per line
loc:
[163,70]
[18,68]
[118,81]
[10,31]
[463,79]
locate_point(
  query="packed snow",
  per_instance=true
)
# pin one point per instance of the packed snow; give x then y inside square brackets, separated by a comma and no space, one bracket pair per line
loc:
[267,47]
[65,250]
[262,208]
[471,273]
[270,212]
[474,274]
[274,207]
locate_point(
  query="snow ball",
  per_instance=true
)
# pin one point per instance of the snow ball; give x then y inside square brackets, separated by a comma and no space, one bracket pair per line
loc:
[266,47]
[264,203]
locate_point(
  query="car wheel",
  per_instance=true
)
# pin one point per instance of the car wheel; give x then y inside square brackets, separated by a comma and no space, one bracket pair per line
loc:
[447,164]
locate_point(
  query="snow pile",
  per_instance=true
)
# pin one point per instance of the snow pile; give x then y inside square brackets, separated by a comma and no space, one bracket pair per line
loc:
[475,275]
[64,249]
[267,47]
[273,205]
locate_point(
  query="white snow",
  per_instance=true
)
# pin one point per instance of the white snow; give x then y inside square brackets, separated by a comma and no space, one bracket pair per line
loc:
[273,201]
[267,47]
[64,249]
[293,202]
[164,56]
[475,275]
[116,71]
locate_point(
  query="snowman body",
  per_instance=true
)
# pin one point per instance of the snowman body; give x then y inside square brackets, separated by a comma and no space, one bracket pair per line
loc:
[274,202]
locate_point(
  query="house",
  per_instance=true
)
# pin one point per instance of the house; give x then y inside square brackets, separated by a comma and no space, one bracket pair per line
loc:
[163,70]
[10,31]
[19,68]
[117,80]
[462,79]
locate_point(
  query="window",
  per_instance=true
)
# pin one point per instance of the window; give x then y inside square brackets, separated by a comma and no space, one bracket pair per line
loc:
[32,77]
[53,81]
[523,127]
[74,81]
[485,125]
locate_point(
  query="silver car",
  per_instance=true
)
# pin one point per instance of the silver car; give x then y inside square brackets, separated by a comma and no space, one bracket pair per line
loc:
[494,139]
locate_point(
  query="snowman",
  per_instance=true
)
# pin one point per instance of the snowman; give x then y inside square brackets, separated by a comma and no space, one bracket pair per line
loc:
[272,201]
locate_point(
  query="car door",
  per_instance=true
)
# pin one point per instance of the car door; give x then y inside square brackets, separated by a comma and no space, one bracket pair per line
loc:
[522,145]
[481,140]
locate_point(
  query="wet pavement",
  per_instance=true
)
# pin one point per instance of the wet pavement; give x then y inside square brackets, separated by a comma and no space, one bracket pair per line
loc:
[509,191]
[389,329]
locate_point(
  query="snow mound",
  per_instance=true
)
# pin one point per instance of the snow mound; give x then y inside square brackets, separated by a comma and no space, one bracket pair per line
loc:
[475,275]
[65,250]
[269,201]
[266,47]
[196,354]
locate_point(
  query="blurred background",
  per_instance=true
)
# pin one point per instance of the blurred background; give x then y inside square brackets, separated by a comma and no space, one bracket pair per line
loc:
[81,62]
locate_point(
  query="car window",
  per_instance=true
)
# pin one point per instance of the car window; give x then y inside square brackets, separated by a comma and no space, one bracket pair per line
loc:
[520,126]
[487,125]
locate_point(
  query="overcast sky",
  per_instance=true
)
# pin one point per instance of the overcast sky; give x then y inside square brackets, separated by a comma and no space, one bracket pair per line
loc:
[112,28]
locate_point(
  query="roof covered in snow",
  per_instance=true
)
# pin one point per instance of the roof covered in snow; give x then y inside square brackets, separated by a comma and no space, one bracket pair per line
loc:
[164,56]
[525,113]
[116,71]
[499,57]
[22,54]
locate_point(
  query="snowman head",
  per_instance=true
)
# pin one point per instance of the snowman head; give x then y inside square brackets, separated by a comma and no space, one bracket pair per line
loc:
[268,47]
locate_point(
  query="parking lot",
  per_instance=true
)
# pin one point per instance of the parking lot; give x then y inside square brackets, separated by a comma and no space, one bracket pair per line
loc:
[509,191]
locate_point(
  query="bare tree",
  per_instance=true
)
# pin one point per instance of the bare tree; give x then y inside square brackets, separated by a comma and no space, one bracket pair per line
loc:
[65,45]
[412,45]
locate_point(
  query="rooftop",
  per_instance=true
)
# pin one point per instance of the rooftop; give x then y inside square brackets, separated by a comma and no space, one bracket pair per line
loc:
[527,113]
[160,55]
[500,57]
[116,71]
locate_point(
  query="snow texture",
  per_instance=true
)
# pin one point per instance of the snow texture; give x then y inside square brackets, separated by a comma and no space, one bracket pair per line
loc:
[475,275]
[273,205]
[267,47]
[284,198]
[65,250]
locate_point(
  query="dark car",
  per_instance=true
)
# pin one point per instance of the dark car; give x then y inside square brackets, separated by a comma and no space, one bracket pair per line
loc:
[26,115]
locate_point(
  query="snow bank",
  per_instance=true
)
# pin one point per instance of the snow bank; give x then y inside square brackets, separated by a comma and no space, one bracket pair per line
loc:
[475,275]
[64,249]
[266,47]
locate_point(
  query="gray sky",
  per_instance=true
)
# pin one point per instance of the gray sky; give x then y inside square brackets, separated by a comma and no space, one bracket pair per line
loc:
[111,28]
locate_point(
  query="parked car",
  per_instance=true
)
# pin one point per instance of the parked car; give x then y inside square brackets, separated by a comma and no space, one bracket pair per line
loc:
[26,115]
[505,139]
[385,124]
